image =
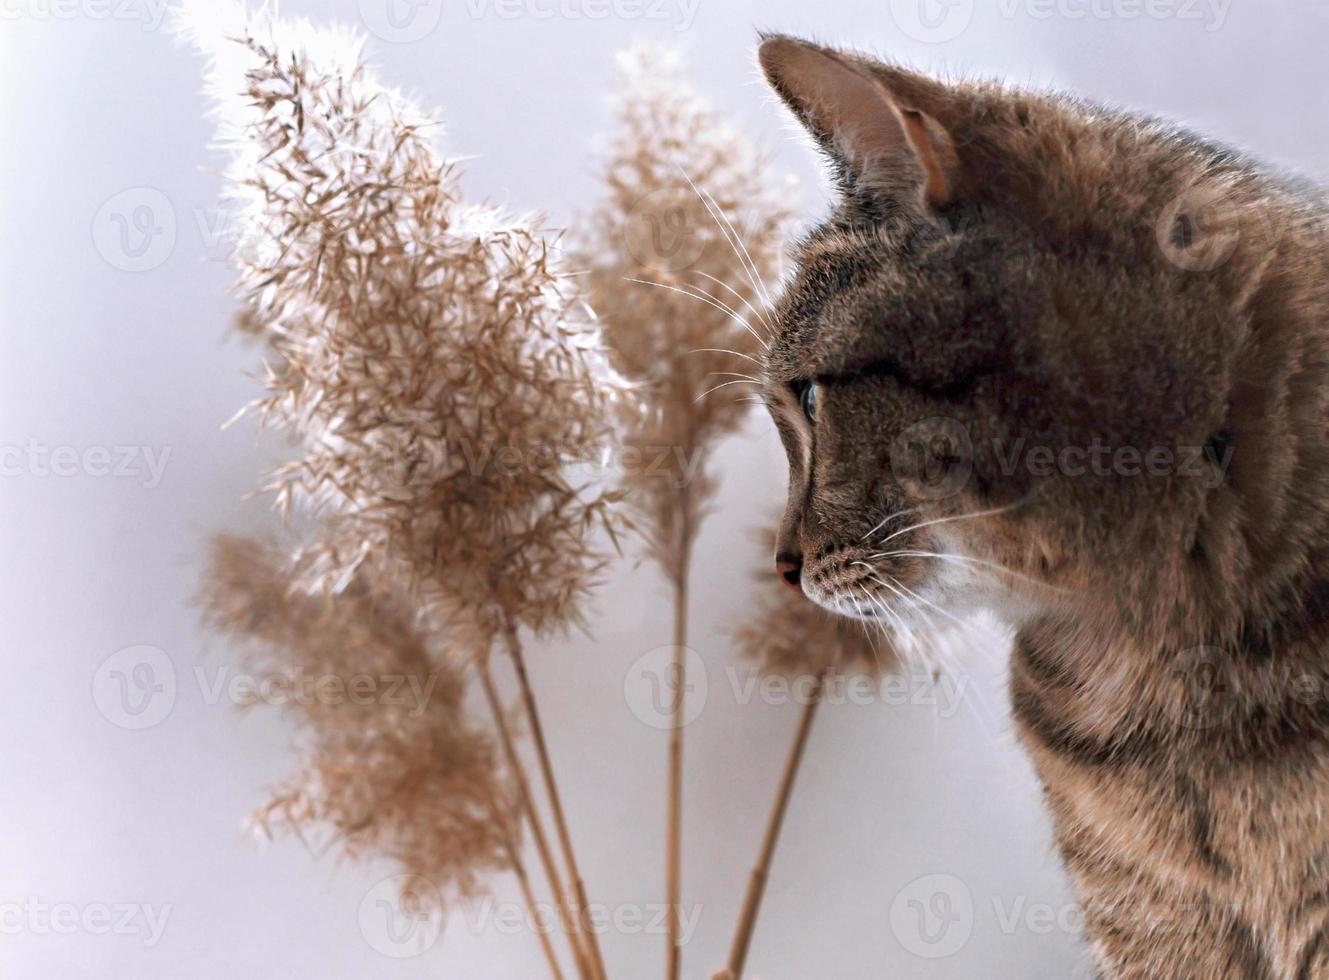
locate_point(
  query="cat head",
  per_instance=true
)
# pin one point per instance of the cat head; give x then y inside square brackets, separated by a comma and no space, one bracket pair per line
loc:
[1006,368]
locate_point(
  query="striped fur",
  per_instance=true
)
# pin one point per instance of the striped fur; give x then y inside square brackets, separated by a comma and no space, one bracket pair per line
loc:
[1087,278]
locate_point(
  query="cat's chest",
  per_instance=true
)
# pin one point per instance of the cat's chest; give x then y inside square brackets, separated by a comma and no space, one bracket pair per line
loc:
[1138,777]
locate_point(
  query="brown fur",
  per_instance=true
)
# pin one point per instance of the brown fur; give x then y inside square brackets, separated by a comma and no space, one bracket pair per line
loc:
[1092,279]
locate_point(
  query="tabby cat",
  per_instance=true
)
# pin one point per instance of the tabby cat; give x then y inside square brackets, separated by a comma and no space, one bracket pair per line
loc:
[1072,365]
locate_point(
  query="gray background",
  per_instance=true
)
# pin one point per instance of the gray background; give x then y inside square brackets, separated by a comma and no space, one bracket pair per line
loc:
[93,815]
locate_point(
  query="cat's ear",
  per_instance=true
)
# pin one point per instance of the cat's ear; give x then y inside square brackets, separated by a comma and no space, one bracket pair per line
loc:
[882,146]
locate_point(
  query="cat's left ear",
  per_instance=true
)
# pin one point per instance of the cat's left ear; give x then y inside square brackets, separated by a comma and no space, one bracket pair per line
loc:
[883,147]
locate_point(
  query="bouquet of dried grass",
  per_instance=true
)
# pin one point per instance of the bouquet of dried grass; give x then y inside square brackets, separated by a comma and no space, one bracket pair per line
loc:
[679,252]
[438,374]
[409,778]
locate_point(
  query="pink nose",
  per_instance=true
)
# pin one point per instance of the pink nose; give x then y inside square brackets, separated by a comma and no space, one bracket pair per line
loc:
[790,568]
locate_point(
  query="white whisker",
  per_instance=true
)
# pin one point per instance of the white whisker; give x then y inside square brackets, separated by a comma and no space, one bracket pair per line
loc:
[706,298]
[740,250]
[743,299]
[733,374]
[724,350]
[744,255]
[740,381]
[956,517]
[967,558]
[872,574]
[882,582]
[889,517]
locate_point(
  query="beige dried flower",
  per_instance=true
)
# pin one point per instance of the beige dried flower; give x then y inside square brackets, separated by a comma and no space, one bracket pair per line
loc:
[390,766]
[679,285]
[678,253]
[446,387]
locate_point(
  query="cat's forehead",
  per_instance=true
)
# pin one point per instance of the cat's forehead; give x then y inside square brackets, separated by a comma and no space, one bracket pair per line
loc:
[832,265]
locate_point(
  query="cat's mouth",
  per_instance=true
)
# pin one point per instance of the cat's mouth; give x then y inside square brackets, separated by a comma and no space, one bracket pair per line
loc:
[924,595]
[902,613]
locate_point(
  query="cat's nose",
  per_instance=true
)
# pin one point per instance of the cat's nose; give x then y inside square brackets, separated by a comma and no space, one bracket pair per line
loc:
[790,568]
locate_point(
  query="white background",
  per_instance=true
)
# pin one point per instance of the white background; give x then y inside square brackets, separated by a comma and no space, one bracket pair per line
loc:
[95,815]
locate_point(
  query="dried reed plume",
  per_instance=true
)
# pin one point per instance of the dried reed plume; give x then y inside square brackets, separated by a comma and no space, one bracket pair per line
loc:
[395,771]
[430,357]
[431,360]
[787,634]
[679,285]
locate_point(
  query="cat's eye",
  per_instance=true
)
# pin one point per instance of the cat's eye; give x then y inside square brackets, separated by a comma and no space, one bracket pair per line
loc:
[807,399]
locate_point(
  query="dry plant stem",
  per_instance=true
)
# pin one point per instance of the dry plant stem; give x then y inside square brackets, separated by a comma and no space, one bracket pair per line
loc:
[519,869]
[555,802]
[561,898]
[747,919]
[674,832]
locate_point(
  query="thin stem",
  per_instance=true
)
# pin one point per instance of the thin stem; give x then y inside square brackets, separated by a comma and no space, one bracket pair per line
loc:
[519,869]
[674,819]
[747,919]
[561,899]
[555,802]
